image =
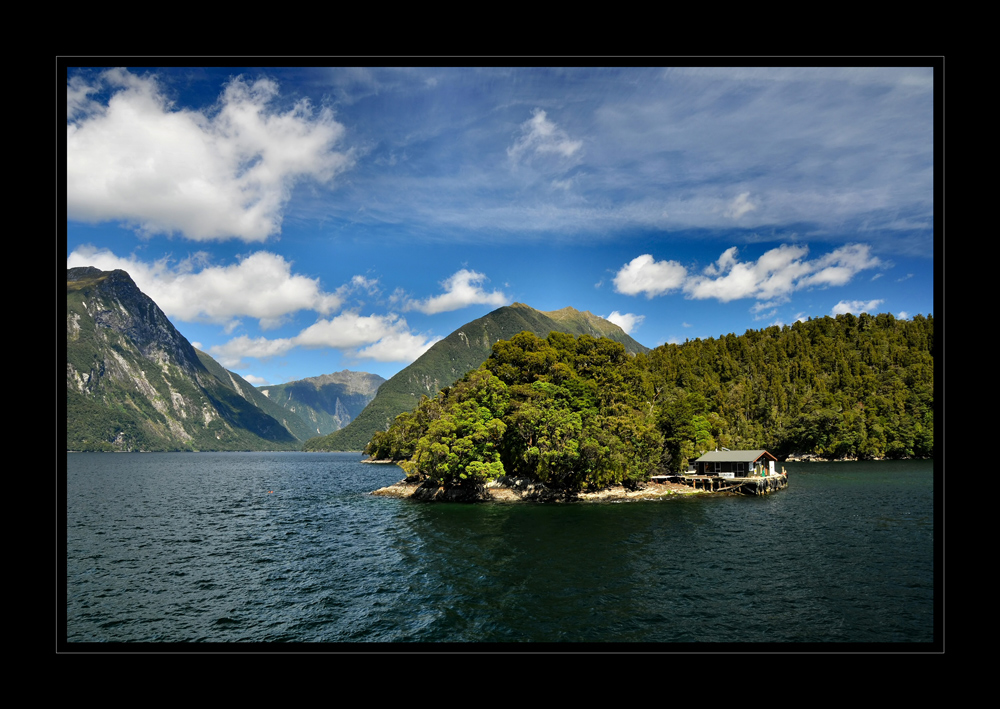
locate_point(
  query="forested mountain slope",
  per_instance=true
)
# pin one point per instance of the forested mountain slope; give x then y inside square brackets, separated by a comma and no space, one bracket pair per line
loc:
[850,386]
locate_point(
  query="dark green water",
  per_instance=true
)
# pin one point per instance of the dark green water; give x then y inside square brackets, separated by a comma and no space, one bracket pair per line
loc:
[290,547]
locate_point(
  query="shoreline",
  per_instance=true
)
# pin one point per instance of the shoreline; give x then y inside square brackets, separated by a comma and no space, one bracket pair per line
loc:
[521,490]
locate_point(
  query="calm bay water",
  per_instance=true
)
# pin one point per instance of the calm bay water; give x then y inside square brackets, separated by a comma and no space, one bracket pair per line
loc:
[290,547]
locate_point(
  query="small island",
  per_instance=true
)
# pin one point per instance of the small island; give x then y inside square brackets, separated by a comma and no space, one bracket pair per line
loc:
[555,419]
[734,472]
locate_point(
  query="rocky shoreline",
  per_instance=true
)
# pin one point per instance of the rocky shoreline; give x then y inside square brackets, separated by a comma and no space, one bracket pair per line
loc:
[508,490]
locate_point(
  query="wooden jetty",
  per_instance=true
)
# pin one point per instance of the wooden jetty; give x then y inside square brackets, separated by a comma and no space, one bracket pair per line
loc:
[760,485]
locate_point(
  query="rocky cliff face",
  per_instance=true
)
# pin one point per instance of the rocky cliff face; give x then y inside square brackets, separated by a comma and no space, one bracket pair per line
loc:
[133,382]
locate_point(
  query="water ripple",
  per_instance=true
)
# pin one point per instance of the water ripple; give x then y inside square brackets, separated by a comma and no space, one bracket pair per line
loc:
[197,548]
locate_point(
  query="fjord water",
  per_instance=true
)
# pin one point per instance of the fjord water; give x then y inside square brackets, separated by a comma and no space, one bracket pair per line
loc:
[291,547]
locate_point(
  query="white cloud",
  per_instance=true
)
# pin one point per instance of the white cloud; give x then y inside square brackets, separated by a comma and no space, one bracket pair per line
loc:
[855,307]
[740,206]
[773,277]
[230,355]
[400,347]
[626,321]
[838,267]
[260,286]
[644,275]
[217,175]
[540,136]
[384,338]
[902,315]
[461,290]
[773,274]
[349,330]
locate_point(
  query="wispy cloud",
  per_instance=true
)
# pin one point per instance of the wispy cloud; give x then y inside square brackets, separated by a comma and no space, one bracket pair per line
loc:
[740,206]
[541,137]
[221,173]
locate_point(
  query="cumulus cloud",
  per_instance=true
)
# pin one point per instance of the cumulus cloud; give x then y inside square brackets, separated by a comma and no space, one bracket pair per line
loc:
[542,137]
[260,286]
[626,321]
[775,273]
[398,347]
[645,275]
[384,338]
[217,175]
[855,307]
[461,290]
[839,267]
[773,277]
[349,330]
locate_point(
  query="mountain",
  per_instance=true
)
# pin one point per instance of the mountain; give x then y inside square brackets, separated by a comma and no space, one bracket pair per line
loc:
[326,403]
[449,359]
[134,383]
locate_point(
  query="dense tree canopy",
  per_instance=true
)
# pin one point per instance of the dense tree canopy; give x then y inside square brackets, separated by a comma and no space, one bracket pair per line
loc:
[582,413]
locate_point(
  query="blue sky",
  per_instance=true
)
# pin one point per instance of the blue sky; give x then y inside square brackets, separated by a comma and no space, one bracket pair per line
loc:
[295,222]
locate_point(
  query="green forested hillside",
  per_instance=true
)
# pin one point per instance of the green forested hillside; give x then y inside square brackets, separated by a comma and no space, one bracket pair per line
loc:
[835,387]
[584,413]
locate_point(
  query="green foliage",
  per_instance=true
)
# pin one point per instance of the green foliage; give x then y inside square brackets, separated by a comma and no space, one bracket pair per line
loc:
[460,444]
[581,413]
[529,412]
[841,387]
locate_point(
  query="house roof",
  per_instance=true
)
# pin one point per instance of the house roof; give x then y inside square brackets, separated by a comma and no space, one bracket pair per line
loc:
[733,456]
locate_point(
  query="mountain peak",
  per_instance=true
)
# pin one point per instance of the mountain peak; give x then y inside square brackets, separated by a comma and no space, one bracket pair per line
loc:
[133,382]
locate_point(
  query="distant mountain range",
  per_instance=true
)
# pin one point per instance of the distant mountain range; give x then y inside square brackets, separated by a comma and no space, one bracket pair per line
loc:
[134,383]
[449,359]
[328,402]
